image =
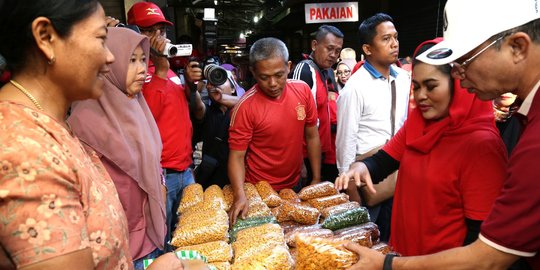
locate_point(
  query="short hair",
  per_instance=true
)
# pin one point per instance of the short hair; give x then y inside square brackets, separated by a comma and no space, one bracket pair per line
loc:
[266,48]
[368,28]
[531,28]
[326,29]
[16,19]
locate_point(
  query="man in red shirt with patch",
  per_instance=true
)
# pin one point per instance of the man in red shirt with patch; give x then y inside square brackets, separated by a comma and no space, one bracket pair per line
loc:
[269,124]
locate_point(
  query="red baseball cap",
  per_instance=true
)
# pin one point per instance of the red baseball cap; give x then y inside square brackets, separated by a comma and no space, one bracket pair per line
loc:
[146,14]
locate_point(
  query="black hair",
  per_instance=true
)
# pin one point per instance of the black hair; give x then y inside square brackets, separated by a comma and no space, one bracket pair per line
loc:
[16,17]
[326,29]
[531,28]
[368,28]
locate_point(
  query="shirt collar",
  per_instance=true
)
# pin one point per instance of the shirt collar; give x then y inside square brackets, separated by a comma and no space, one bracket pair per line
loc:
[526,105]
[376,74]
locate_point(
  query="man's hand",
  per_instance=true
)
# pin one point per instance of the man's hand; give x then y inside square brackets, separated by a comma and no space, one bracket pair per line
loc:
[367,258]
[214,92]
[157,46]
[193,72]
[240,207]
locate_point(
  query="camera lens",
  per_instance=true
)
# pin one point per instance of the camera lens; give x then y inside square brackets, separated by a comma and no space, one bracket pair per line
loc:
[215,74]
[173,51]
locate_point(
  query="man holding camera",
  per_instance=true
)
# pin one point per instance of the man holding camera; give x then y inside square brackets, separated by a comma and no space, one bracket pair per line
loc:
[168,101]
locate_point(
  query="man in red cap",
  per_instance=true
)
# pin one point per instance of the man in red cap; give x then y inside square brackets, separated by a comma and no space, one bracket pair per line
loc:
[168,101]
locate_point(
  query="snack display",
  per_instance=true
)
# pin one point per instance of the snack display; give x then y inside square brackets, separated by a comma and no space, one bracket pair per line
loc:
[213,195]
[327,201]
[301,213]
[346,219]
[268,194]
[217,251]
[340,208]
[191,196]
[321,253]
[321,189]
[288,194]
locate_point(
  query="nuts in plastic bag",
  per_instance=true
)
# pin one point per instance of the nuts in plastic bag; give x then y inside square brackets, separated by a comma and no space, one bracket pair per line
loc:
[281,216]
[288,226]
[251,192]
[213,195]
[323,254]
[301,213]
[195,215]
[228,196]
[258,209]
[276,258]
[321,189]
[288,194]
[202,232]
[307,231]
[340,208]
[248,223]
[192,195]
[268,194]
[327,201]
[216,251]
[251,234]
[369,226]
[360,236]
[346,219]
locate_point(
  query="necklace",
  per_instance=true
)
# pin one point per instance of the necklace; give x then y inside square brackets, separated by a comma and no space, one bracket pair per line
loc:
[27,94]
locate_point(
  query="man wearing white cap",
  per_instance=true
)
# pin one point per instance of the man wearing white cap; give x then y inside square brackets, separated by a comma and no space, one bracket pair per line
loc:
[494,47]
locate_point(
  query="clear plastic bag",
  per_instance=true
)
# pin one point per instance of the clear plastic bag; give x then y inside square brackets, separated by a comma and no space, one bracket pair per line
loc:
[228,196]
[301,213]
[257,208]
[340,208]
[269,229]
[346,219]
[383,248]
[216,251]
[327,201]
[251,192]
[359,236]
[268,194]
[321,189]
[195,215]
[275,258]
[307,231]
[369,226]
[202,232]
[213,195]
[289,195]
[281,216]
[323,254]
[248,223]
[288,226]
[192,195]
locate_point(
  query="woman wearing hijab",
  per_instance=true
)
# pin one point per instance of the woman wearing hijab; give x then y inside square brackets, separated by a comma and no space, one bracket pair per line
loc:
[451,164]
[121,129]
[344,71]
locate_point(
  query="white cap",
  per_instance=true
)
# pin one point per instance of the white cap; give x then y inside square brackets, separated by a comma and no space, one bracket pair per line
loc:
[469,23]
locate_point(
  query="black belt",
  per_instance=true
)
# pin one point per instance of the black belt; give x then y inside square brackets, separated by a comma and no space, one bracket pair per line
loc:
[171,171]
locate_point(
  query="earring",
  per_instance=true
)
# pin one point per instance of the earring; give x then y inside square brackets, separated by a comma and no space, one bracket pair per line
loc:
[52,60]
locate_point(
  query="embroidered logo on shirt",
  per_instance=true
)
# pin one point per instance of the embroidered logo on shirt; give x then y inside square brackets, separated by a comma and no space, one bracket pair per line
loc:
[300,112]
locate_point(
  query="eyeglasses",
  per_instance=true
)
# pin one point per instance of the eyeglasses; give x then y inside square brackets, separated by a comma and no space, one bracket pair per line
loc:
[458,69]
[343,73]
[154,29]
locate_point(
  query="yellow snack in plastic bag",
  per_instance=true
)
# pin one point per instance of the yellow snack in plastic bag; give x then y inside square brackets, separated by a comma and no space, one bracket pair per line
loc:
[321,189]
[213,196]
[324,202]
[216,251]
[288,194]
[268,194]
[323,254]
[191,196]
[228,196]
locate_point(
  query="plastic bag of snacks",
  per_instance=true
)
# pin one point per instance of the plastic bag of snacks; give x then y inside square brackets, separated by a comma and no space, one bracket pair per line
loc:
[360,236]
[216,251]
[383,248]
[281,216]
[288,194]
[192,195]
[321,253]
[346,219]
[321,189]
[251,192]
[195,215]
[221,265]
[340,208]
[248,223]
[288,226]
[254,234]
[258,209]
[228,196]
[245,250]
[301,213]
[369,226]
[201,232]
[276,258]
[213,195]
[324,202]
[268,194]
[309,231]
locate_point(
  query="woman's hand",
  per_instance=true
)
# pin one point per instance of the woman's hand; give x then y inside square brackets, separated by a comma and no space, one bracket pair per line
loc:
[357,172]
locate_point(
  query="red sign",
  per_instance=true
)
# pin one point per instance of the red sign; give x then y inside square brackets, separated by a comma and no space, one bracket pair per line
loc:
[331,12]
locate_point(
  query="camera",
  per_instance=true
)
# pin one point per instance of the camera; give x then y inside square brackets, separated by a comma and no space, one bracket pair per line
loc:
[215,74]
[172,50]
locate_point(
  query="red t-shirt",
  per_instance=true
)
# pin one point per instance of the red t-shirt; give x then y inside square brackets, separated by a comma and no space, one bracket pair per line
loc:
[168,103]
[513,226]
[271,131]
[459,178]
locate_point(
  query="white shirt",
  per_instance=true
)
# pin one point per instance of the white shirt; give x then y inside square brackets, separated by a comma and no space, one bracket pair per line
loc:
[364,109]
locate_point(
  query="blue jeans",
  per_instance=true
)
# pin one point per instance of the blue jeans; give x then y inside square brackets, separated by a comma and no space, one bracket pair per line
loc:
[176,182]
[152,255]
